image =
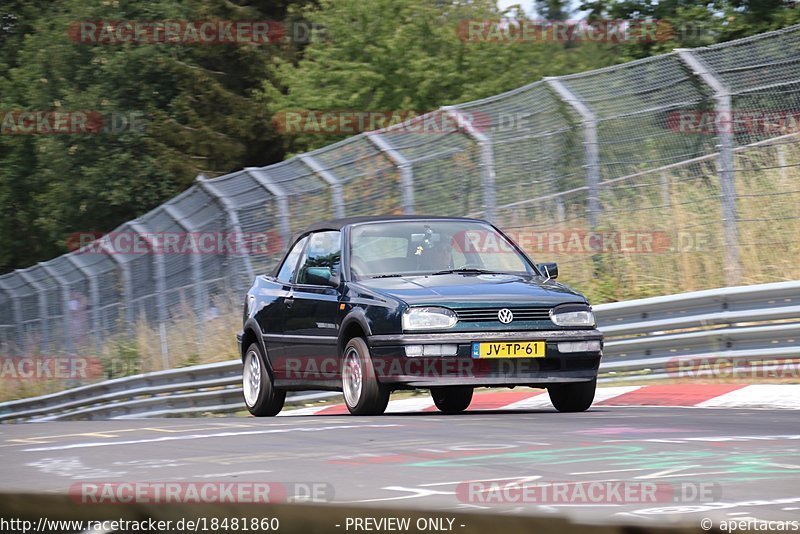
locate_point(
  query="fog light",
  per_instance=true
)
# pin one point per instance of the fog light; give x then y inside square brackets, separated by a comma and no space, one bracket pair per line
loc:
[413,350]
[440,350]
[449,350]
[579,346]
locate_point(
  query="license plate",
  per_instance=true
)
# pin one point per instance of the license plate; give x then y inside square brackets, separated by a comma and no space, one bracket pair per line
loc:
[512,349]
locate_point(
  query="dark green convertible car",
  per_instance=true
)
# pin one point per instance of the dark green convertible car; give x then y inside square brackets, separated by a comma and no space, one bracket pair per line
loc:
[371,305]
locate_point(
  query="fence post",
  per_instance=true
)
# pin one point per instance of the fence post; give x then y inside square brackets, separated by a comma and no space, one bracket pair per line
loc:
[464,124]
[781,154]
[330,179]
[64,285]
[402,164]
[125,280]
[94,296]
[42,298]
[276,191]
[590,146]
[160,274]
[233,222]
[17,314]
[666,197]
[724,125]
[197,267]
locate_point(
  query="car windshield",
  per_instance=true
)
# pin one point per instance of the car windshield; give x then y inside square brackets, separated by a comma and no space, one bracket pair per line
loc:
[426,247]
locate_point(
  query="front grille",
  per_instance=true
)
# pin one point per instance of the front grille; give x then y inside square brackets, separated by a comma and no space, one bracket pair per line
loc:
[540,313]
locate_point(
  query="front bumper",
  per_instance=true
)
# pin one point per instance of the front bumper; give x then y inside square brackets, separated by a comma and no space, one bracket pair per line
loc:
[393,367]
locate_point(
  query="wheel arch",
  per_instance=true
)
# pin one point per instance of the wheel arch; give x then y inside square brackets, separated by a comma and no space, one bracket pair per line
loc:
[252,334]
[354,325]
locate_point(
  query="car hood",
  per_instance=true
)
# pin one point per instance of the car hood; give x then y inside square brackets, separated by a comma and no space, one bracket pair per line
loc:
[470,290]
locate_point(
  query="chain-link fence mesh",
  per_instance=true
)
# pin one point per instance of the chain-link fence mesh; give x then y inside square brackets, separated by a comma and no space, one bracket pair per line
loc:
[671,173]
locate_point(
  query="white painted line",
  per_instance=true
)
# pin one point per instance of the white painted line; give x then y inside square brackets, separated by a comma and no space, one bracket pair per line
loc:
[603,394]
[201,436]
[414,404]
[758,396]
[304,411]
[543,400]
[214,475]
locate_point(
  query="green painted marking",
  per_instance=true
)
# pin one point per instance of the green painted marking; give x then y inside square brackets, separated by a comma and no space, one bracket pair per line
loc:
[609,457]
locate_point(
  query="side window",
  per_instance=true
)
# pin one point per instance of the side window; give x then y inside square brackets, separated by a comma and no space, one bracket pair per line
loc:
[289,266]
[324,252]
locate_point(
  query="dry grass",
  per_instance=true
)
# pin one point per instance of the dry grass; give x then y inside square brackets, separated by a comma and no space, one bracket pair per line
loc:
[188,342]
[680,211]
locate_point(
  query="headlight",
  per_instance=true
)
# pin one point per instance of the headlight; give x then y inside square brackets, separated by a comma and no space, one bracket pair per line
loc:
[428,318]
[572,317]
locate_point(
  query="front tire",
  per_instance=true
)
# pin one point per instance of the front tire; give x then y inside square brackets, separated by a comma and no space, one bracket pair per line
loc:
[574,397]
[452,399]
[363,394]
[260,395]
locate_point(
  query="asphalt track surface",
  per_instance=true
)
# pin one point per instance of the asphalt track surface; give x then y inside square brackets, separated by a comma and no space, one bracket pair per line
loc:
[745,462]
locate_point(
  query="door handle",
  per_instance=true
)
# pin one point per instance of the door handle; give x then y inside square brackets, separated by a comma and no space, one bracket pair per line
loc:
[289,301]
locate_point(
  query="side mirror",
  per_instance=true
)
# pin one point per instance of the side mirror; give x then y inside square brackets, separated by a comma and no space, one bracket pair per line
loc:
[322,276]
[550,270]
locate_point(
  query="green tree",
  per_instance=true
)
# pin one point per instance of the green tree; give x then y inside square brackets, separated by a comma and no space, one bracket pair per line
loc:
[195,102]
[410,55]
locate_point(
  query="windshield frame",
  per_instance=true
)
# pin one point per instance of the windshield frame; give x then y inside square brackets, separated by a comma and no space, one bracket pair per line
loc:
[532,268]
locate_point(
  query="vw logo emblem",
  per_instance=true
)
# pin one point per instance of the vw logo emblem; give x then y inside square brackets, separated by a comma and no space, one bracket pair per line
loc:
[505,316]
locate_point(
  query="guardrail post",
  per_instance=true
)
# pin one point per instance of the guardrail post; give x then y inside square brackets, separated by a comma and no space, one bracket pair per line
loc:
[42,298]
[402,164]
[233,222]
[464,124]
[724,125]
[330,179]
[197,267]
[276,191]
[64,286]
[590,146]
[160,275]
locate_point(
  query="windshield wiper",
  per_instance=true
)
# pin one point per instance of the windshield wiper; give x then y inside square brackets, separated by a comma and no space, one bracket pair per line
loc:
[469,270]
[391,275]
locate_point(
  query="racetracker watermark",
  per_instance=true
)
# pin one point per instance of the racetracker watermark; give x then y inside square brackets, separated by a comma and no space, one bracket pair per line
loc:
[431,361]
[580,241]
[200,492]
[718,368]
[586,493]
[70,122]
[46,368]
[564,31]
[350,122]
[224,243]
[177,32]
[763,122]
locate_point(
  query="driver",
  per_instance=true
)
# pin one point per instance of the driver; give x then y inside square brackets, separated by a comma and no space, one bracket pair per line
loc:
[436,258]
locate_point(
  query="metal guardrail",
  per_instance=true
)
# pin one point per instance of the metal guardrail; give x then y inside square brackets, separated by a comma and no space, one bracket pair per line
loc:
[653,338]
[209,388]
[645,339]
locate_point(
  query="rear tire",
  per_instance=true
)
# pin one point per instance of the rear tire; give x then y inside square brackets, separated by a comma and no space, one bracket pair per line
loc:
[363,394]
[452,399]
[260,395]
[574,397]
